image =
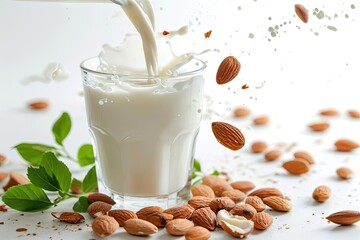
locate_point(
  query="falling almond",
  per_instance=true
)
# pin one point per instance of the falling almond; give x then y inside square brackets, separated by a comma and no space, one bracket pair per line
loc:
[302,13]
[228,70]
[228,135]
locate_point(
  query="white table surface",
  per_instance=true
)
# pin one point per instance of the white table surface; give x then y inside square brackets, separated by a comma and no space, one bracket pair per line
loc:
[305,74]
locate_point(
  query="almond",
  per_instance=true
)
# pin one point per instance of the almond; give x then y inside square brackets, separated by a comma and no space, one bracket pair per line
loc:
[2,159]
[343,172]
[345,145]
[147,211]
[256,202]
[69,217]
[302,13]
[321,193]
[75,187]
[217,184]
[228,135]
[329,112]
[3,208]
[304,155]
[204,217]
[319,126]
[278,203]
[346,217]
[199,202]
[258,147]
[243,186]
[16,179]
[222,203]
[104,225]
[261,120]
[297,166]
[122,215]
[266,192]
[228,70]
[262,220]
[159,219]
[273,155]
[179,227]
[94,197]
[139,227]
[184,211]
[241,112]
[202,190]
[236,226]
[3,176]
[244,210]
[235,195]
[354,114]
[38,105]
[97,209]
[198,233]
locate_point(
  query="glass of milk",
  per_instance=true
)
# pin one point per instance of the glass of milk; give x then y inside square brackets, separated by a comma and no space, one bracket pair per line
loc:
[144,131]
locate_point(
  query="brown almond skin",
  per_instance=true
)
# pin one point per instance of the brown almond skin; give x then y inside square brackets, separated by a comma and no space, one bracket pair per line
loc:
[353,113]
[262,220]
[235,195]
[159,219]
[221,203]
[329,112]
[343,173]
[139,227]
[39,105]
[302,13]
[204,217]
[241,112]
[256,202]
[104,225]
[297,166]
[184,211]
[243,186]
[16,179]
[278,203]
[217,184]
[258,147]
[98,208]
[345,145]
[122,215]
[346,217]
[94,197]
[228,135]
[319,126]
[203,190]
[272,155]
[245,210]
[199,202]
[262,120]
[146,211]
[304,155]
[69,217]
[228,69]
[266,192]
[179,227]
[321,193]
[198,233]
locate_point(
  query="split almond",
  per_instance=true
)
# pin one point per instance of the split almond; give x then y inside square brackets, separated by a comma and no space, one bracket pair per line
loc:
[228,135]
[199,202]
[278,203]
[346,217]
[198,233]
[139,227]
[258,147]
[243,186]
[256,202]
[179,227]
[329,112]
[184,211]
[205,217]
[262,220]
[244,210]
[16,179]
[69,217]
[304,155]
[98,208]
[122,215]
[302,13]
[222,203]
[203,190]
[354,114]
[321,193]
[273,155]
[228,70]
[297,166]
[343,172]
[345,145]
[266,192]
[319,126]
[236,226]
[94,197]
[104,225]
[235,195]
[217,184]
[241,112]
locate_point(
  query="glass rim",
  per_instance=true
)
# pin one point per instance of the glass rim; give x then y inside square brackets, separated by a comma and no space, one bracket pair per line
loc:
[195,72]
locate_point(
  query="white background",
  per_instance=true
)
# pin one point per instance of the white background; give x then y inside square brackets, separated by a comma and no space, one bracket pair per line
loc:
[290,79]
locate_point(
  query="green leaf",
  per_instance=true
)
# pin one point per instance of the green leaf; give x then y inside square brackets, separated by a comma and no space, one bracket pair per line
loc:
[90,181]
[39,177]
[86,155]
[196,182]
[61,128]
[26,198]
[58,170]
[197,166]
[32,152]
[216,173]
[81,205]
